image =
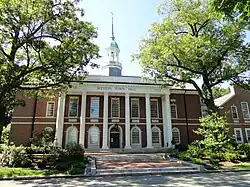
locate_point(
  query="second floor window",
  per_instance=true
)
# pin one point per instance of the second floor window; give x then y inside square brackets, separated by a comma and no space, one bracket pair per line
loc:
[50,109]
[245,110]
[234,112]
[173,108]
[73,107]
[94,107]
[135,108]
[154,108]
[115,107]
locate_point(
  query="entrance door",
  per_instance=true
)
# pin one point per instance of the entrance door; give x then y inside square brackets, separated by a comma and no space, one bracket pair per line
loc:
[114,140]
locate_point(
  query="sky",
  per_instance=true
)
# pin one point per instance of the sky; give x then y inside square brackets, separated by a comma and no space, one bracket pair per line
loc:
[132,20]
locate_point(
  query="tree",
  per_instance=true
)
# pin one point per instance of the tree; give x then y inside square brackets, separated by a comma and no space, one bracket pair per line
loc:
[192,43]
[43,44]
[218,92]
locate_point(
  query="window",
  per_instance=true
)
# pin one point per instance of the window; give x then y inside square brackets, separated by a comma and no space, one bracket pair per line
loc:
[173,108]
[247,130]
[115,107]
[94,137]
[50,109]
[135,136]
[94,107]
[238,135]
[71,135]
[245,110]
[234,112]
[135,112]
[156,135]
[73,106]
[176,136]
[154,108]
[204,111]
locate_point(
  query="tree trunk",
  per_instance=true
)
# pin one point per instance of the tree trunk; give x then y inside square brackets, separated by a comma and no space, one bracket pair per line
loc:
[3,118]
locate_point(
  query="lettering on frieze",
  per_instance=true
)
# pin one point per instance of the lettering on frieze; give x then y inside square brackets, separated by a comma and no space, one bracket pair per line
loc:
[115,88]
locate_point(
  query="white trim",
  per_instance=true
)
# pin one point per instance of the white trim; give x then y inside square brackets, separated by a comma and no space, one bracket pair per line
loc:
[28,123]
[67,134]
[135,145]
[156,145]
[235,119]
[135,99]
[50,102]
[179,135]
[120,132]
[98,142]
[247,110]
[247,129]
[73,97]
[117,99]
[92,98]
[176,113]
[157,106]
[235,129]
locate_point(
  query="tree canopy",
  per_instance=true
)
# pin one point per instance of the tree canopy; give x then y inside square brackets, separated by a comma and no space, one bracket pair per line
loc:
[219,92]
[43,44]
[191,42]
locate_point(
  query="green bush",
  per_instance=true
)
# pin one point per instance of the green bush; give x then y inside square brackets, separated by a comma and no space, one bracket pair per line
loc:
[77,168]
[6,134]
[244,149]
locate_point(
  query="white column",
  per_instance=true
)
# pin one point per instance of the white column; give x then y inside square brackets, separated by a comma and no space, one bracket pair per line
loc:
[82,120]
[60,119]
[105,122]
[148,121]
[168,121]
[127,122]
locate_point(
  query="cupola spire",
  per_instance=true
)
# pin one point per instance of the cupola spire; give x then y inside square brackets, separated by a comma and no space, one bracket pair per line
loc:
[113,36]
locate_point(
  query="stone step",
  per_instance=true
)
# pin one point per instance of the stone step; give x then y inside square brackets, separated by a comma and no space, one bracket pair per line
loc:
[130,157]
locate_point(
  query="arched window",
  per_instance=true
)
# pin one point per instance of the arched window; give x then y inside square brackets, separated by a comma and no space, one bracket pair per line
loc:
[93,137]
[71,135]
[176,136]
[156,137]
[136,136]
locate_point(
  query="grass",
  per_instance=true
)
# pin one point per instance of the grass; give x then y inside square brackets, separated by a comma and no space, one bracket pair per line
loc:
[241,166]
[10,172]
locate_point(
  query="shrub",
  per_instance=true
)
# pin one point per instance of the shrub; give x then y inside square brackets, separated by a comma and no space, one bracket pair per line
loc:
[245,149]
[77,168]
[6,134]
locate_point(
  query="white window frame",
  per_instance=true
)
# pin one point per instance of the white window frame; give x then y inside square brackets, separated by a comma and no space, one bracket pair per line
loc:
[241,135]
[90,145]
[138,100]
[157,107]
[135,145]
[95,98]
[247,129]
[247,110]
[234,119]
[173,104]
[77,106]
[47,108]
[156,145]
[67,134]
[179,135]
[119,105]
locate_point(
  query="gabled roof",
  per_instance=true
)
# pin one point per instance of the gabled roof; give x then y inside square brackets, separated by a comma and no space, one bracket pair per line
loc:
[225,98]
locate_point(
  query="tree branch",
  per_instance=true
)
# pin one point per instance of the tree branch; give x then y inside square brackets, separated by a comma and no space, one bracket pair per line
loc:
[203,25]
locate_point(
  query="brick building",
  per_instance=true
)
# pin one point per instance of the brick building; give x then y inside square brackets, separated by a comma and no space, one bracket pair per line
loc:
[112,111]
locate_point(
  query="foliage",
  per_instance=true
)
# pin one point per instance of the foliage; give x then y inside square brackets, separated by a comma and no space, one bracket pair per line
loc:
[244,148]
[191,42]
[13,156]
[77,168]
[219,92]
[6,134]
[46,138]
[43,44]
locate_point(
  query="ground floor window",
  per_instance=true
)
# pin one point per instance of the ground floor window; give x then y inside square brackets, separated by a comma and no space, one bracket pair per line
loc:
[136,136]
[156,137]
[248,134]
[176,136]
[93,140]
[238,135]
[71,135]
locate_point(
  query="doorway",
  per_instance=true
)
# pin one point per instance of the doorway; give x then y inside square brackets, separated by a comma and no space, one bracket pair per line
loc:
[114,137]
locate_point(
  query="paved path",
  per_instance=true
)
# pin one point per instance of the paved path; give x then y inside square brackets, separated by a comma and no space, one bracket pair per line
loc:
[190,180]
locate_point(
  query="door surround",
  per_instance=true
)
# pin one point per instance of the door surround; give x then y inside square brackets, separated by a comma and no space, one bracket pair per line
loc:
[120,132]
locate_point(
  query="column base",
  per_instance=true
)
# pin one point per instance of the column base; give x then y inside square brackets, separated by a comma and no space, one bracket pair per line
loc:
[149,147]
[105,148]
[127,147]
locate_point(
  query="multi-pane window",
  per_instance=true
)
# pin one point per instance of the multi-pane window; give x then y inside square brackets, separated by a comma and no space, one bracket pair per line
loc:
[135,135]
[115,107]
[234,112]
[154,108]
[238,135]
[93,135]
[71,135]
[248,134]
[50,109]
[155,135]
[173,108]
[94,107]
[135,108]
[73,106]
[245,110]
[176,136]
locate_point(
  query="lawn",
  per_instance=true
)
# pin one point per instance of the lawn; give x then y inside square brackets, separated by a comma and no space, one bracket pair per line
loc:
[240,166]
[10,172]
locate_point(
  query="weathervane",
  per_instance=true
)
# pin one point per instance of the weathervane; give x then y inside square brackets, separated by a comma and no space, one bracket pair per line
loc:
[113,36]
